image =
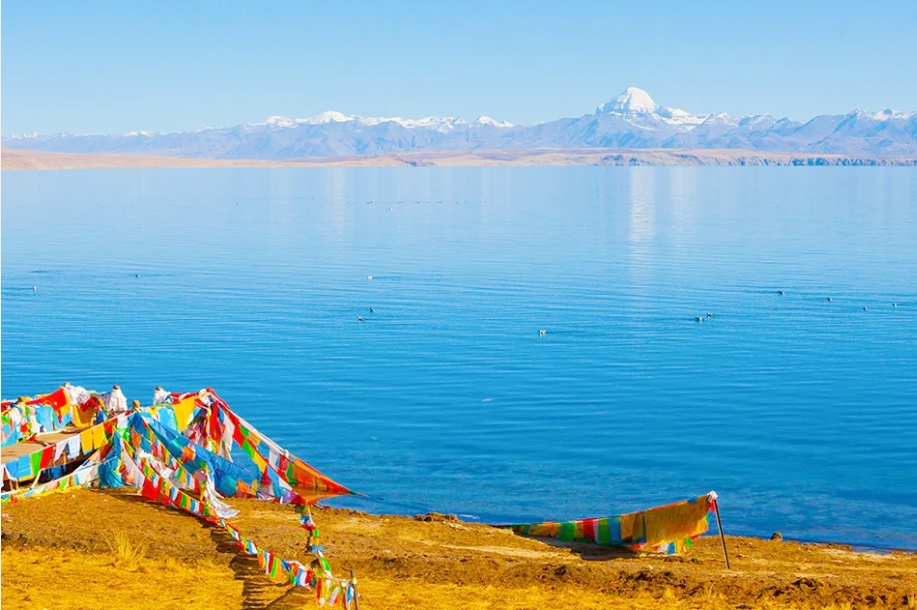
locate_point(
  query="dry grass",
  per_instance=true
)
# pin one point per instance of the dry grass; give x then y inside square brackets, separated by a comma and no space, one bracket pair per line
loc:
[129,554]
[67,579]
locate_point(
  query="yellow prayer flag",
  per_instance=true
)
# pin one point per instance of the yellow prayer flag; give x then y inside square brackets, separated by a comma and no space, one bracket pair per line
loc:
[259,461]
[82,417]
[98,436]
[676,521]
[86,441]
[627,526]
[183,410]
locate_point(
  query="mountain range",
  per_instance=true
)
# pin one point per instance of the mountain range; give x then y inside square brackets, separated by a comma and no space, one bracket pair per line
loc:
[631,120]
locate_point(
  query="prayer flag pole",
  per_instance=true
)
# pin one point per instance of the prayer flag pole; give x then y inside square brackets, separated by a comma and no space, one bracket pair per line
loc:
[719,525]
[356,596]
[37,476]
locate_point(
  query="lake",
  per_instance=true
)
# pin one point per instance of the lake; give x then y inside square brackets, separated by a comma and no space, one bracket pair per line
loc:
[799,410]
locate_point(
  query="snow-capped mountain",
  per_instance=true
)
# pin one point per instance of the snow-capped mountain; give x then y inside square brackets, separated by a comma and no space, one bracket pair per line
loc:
[443,125]
[630,120]
[631,101]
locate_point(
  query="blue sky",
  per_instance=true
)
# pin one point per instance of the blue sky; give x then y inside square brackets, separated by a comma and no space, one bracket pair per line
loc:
[113,67]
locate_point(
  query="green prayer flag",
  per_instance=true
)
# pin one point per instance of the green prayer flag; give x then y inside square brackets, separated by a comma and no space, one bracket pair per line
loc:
[35,461]
[602,532]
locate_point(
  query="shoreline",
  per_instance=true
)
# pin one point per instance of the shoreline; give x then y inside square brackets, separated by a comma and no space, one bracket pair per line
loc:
[141,553]
[15,159]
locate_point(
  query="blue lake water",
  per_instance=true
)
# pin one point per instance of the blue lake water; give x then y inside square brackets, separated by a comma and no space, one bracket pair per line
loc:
[800,412]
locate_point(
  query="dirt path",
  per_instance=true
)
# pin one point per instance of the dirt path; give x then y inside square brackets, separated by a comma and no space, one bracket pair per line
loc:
[257,590]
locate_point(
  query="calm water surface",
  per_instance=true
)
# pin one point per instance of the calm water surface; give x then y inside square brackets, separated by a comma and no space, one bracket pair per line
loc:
[800,412]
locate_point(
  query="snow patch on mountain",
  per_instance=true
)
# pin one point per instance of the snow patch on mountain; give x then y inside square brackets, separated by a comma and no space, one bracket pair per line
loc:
[442,125]
[329,116]
[278,121]
[486,120]
[439,124]
[886,115]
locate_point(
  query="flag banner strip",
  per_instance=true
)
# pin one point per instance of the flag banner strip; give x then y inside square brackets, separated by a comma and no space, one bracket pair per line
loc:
[670,528]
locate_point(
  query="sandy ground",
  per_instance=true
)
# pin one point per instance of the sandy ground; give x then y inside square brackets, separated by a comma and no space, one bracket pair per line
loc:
[89,548]
[17,159]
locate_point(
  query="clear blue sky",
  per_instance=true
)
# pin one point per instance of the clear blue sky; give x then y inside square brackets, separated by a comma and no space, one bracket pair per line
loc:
[113,67]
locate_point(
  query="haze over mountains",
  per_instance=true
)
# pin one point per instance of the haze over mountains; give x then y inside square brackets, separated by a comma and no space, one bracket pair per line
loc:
[631,120]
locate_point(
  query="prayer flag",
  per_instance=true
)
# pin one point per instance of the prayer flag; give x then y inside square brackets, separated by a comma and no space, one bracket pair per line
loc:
[663,528]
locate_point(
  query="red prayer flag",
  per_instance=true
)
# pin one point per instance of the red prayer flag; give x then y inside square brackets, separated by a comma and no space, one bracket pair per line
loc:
[47,457]
[56,399]
[149,491]
[589,528]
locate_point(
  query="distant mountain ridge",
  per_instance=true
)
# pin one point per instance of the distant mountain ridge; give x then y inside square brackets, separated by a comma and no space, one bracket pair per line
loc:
[630,120]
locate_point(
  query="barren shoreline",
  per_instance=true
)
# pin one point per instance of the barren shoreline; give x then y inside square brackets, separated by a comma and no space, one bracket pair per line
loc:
[19,159]
[78,548]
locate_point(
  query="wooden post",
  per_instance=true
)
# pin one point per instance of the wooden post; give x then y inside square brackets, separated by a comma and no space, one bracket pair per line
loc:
[719,525]
[356,596]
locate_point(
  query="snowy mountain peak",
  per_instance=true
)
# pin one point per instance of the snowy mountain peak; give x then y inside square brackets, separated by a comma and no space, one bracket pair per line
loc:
[22,136]
[442,125]
[631,100]
[486,120]
[884,115]
[329,116]
[279,121]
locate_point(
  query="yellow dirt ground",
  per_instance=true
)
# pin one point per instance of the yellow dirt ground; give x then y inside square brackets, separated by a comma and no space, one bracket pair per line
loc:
[90,549]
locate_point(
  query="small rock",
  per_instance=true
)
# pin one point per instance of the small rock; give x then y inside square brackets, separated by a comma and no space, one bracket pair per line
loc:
[436,518]
[777,537]
[674,559]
